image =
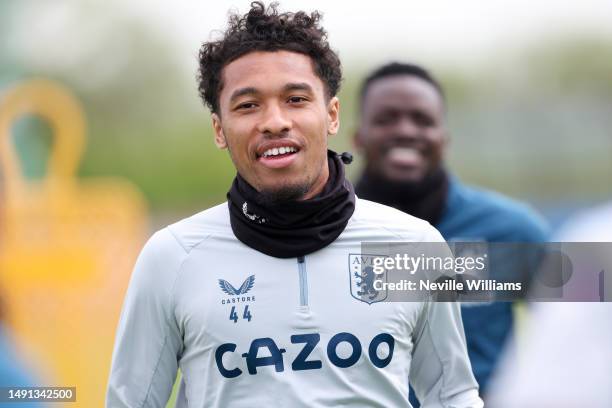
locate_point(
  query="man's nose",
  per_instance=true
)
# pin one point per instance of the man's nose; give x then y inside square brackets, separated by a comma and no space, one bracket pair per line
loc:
[274,121]
[406,128]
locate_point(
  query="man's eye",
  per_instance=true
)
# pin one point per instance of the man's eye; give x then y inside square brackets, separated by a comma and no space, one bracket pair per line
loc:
[424,120]
[297,99]
[246,105]
[384,120]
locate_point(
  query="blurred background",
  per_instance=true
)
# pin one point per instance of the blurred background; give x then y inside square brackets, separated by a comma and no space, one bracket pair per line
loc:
[529,87]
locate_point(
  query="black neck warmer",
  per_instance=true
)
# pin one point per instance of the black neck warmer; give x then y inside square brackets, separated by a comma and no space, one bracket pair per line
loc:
[293,228]
[425,199]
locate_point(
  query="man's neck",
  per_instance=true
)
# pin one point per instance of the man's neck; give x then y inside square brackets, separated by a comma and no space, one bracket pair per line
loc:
[319,185]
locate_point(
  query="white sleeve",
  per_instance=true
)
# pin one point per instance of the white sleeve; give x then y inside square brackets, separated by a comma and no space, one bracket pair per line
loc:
[148,342]
[441,373]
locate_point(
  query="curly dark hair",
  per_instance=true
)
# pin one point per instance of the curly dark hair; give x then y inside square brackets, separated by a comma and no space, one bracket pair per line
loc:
[400,68]
[264,29]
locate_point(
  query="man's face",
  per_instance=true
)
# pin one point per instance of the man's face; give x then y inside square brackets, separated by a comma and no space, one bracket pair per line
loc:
[274,118]
[402,131]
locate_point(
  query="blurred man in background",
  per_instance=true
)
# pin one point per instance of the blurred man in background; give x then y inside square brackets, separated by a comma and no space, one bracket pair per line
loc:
[403,136]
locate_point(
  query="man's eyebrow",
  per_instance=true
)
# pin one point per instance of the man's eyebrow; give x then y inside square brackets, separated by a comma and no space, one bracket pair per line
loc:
[298,86]
[249,90]
[243,91]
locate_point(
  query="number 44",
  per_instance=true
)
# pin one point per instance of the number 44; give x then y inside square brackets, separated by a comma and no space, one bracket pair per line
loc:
[245,315]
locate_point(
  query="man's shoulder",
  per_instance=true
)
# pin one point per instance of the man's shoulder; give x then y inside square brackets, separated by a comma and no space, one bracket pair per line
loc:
[500,204]
[390,221]
[160,259]
[191,231]
[497,209]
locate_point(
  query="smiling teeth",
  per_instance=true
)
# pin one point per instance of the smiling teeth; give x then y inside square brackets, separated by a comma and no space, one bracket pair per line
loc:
[281,150]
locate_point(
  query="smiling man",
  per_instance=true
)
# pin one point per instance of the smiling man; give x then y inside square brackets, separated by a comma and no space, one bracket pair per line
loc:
[250,119]
[403,136]
[260,301]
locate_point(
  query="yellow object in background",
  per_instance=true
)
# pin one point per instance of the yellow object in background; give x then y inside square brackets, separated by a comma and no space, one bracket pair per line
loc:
[67,247]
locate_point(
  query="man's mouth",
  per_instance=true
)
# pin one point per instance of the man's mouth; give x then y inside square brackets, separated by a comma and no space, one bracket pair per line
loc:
[278,156]
[280,151]
[404,156]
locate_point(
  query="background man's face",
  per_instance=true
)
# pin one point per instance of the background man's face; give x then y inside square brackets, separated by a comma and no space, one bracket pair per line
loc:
[402,131]
[275,119]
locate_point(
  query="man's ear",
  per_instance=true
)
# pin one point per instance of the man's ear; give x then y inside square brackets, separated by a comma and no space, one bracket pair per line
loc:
[359,138]
[447,137]
[333,116]
[219,136]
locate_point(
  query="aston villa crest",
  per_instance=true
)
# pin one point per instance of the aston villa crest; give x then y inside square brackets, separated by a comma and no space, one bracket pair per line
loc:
[365,284]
